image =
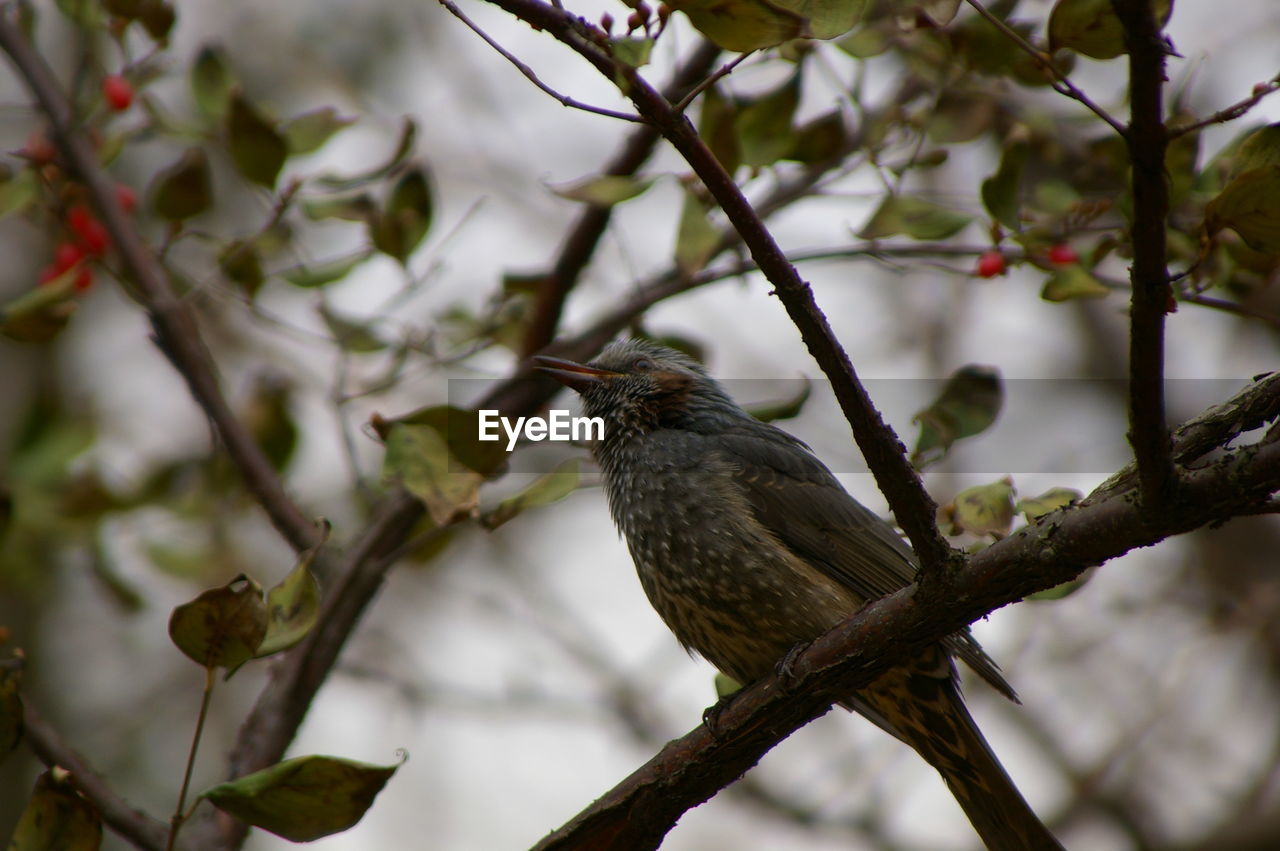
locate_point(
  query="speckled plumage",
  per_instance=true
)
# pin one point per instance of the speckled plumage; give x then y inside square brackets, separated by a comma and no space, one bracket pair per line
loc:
[747,545]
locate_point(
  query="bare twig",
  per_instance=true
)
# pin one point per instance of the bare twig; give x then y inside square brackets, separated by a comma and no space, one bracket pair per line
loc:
[1232,307]
[1152,295]
[177,333]
[580,244]
[128,821]
[723,71]
[529,72]
[1230,113]
[1061,83]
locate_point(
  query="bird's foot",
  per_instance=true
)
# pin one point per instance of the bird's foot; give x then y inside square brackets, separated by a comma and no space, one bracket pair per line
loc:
[785,669]
[712,714]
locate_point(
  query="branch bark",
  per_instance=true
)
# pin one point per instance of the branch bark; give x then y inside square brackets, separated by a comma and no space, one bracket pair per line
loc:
[1147,139]
[1055,549]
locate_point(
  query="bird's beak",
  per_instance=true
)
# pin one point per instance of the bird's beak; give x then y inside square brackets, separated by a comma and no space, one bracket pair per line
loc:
[576,376]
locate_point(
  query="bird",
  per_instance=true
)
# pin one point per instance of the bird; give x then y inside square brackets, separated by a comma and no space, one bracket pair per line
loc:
[749,547]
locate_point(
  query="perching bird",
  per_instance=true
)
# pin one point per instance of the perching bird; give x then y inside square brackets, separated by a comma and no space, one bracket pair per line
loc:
[747,546]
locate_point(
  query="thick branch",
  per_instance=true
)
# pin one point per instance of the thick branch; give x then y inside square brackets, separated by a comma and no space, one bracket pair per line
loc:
[1152,295]
[131,823]
[1057,548]
[177,333]
[882,449]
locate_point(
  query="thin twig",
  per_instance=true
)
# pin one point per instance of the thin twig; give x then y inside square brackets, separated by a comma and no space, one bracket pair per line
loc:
[723,71]
[580,243]
[128,821]
[179,814]
[1152,296]
[1230,113]
[1061,82]
[529,72]
[177,332]
[1232,307]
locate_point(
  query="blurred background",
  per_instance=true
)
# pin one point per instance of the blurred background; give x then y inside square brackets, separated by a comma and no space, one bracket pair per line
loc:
[521,668]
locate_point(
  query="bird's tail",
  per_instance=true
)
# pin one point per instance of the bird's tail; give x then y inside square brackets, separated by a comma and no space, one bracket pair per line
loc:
[923,707]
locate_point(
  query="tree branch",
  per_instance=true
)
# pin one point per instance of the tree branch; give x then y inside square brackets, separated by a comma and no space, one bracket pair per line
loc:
[580,244]
[881,447]
[1055,549]
[1152,296]
[128,821]
[177,333]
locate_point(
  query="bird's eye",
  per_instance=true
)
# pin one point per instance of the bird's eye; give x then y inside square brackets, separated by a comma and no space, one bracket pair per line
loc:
[641,363]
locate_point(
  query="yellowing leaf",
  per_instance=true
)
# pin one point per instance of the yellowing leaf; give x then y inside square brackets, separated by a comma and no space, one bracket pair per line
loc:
[1050,500]
[418,459]
[983,510]
[303,798]
[292,607]
[1070,282]
[56,817]
[309,131]
[914,217]
[604,190]
[546,489]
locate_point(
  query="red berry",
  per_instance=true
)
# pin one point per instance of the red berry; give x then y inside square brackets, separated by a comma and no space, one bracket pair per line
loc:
[88,231]
[66,255]
[126,197]
[990,264]
[1063,255]
[117,91]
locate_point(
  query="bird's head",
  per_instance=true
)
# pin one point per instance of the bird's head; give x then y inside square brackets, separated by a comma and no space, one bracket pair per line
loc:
[637,385]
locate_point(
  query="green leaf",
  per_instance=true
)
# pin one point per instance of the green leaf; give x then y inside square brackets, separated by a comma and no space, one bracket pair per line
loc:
[1091,28]
[314,275]
[1072,281]
[303,798]
[351,336]
[241,264]
[1249,205]
[630,51]
[57,818]
[212,82]
[763,126]
[968,405]
[257,150]
[696,237]
[872,40]
[982,510]
[406,218]
[41,313]
[184,189]
[742,25]
[785,409]
[461,430]
[1260,149]
[351,208]
[418,459]
[546,489]
[820,140]
[1000,191]
[725,685]
[1050,500]
[223,627]
[309,131]
[917,218]
[408,133]
[292,607]
[86,14]
[10,705]
[828,18]
[17,193]
[716,127]
[604,190]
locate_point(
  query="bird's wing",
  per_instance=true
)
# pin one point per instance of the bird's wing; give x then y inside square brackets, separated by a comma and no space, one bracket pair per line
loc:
[796,497]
